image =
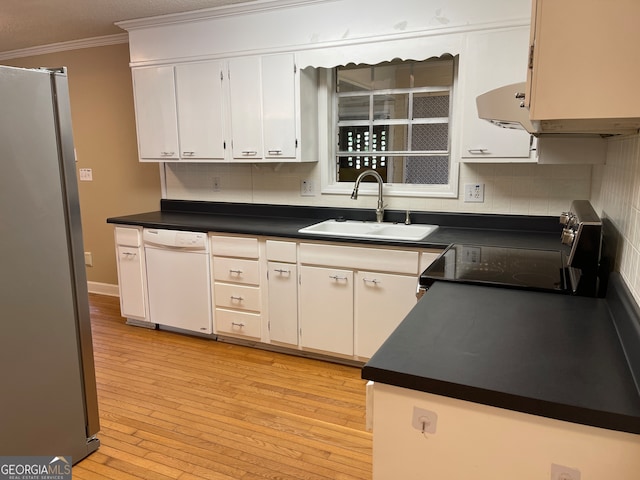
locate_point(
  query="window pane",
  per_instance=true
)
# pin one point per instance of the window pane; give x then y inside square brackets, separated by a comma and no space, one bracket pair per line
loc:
[398,138]
[430,170]
[355,79]
[432,136]
[438,73]
[353,108]
[390,106]
[353,139]
[389,75]
[430,105]
[349,167]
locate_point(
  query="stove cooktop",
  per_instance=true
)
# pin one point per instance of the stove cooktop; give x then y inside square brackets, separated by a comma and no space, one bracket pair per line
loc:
[541,270]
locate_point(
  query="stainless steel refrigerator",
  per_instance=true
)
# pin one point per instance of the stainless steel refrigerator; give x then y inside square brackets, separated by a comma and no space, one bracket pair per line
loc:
[48,399]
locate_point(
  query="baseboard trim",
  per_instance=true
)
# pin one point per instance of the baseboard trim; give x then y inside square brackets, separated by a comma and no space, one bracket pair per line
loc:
[103,289]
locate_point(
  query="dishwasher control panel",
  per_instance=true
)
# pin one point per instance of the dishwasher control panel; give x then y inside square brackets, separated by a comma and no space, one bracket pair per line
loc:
[175,239]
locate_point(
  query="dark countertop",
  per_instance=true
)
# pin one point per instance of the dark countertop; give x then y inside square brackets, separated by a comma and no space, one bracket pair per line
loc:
[546,354]
[285,221]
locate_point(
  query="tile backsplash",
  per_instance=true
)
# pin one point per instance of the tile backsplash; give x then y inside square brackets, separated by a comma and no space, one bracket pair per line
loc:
[616,197]
[525,189]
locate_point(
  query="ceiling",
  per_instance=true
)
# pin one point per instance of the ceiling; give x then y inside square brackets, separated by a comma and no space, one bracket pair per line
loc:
[33,23]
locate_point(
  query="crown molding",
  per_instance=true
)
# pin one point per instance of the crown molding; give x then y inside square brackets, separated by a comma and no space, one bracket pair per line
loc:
[214,12]
[65,46]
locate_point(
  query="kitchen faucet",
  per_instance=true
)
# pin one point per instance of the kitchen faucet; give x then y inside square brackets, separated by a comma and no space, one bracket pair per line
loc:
[354,194]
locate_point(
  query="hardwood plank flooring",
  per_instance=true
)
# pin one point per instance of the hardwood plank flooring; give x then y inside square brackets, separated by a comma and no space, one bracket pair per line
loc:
[179,407]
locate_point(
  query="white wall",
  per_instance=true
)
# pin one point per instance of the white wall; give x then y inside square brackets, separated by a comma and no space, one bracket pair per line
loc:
[616,196]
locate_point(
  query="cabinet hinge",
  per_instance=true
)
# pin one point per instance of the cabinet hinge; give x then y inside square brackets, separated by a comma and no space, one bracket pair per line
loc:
[267,274]
[530,57]
[295,68]
[224,145]
[269,325]
[221,75]
[296,143]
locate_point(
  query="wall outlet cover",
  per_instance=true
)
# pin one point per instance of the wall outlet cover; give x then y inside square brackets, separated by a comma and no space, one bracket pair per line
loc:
[474,192]
[307,188]
[561,472]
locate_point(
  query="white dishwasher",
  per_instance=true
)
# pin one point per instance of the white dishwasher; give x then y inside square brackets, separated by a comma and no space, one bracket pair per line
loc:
[178,279]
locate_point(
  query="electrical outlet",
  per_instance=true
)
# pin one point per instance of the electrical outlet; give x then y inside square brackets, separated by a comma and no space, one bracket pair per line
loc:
[216,184]
[424,420]
[474,192]
[307,188]
[560,472]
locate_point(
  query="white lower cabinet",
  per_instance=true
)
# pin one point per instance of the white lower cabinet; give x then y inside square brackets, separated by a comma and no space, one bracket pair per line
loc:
[283,302]
[132,273]
[326,309]
[237,295]
[382,300]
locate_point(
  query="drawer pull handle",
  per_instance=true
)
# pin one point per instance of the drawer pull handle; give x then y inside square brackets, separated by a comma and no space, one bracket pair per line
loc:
[166,154]
[249,153]
[375,281]
[337,278]
[188,154]
[238,299]
[239,325]
[235,272]
[129,254]
[478,150]
[282,271]
[275,152]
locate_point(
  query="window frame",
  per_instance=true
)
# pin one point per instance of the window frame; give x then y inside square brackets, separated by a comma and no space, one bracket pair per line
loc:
[328,117]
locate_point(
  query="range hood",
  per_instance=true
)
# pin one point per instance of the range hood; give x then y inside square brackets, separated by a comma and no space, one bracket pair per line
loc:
[501,106]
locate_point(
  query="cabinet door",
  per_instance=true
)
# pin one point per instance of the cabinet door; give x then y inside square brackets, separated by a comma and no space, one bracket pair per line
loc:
[279,106]
[326,309]
[382,302]
[131,279]
[492,59]
[585,62]
[246,108]
[283,302]
[200,111]
[156,114]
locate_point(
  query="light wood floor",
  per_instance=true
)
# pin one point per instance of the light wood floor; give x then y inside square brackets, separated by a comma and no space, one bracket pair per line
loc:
[178,407]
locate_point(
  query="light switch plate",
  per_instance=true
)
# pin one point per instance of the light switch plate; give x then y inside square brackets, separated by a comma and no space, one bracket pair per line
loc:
[86,175]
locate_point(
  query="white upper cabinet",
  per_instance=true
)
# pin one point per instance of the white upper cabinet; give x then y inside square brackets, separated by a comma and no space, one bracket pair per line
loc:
[199,96]
[245,102]
[492,59]
[584,68]
[279,106]
[156,114]
[245,109]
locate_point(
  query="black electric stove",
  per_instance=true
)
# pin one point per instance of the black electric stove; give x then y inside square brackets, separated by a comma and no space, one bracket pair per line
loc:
[542,270]
[571,269]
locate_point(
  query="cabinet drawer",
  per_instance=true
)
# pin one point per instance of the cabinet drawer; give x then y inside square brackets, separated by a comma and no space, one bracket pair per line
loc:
[279,251]
[129,237]
[238,323]
[236,270]
[244,247]
[237,296]
[357,258]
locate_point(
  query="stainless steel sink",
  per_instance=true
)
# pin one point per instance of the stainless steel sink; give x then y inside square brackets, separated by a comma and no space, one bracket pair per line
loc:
[384,230]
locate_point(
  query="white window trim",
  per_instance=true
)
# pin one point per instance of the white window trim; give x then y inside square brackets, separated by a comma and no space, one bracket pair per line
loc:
[327,121]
